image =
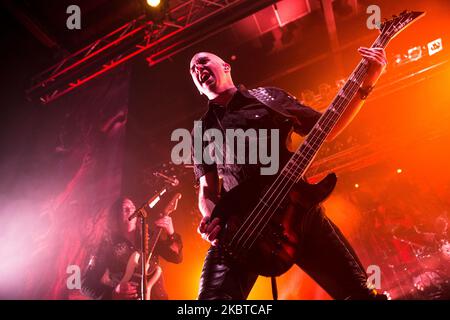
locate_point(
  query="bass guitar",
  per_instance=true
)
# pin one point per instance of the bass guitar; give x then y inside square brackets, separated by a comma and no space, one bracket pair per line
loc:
[259,220]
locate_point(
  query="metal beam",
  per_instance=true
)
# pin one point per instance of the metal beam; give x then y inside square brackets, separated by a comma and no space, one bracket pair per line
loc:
[190,22]
[31,25]
[327,8]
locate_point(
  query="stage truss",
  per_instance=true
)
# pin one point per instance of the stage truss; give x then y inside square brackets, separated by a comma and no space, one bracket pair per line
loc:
[184,24]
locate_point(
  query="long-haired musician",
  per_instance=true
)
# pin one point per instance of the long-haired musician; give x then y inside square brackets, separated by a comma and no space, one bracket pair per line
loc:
[106,269]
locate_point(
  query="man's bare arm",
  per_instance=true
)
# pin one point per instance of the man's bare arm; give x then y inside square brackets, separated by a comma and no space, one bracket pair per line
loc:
[208,194]
[207,198]
[377,63]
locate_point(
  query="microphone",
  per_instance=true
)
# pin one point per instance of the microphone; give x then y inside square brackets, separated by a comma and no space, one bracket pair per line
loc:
[173,181]
[150,203]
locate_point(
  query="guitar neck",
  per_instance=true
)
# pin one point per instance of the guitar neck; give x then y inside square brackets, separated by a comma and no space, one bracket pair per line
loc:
[302,158]
[171,207]
[153,241]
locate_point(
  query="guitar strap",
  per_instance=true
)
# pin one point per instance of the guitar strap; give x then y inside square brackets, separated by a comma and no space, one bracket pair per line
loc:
[264,96]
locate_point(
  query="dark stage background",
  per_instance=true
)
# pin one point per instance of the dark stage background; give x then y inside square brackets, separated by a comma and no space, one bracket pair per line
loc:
[61,168]
[63,164]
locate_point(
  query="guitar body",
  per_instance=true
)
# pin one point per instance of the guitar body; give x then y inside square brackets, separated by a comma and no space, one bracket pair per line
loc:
[133,267]
[275,248]
[152,280]
[259,232]
[152,270]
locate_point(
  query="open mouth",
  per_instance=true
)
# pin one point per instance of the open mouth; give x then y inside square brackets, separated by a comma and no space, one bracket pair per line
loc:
[204,76]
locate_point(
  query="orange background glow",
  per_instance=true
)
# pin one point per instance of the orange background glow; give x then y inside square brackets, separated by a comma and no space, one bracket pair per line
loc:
[411,121]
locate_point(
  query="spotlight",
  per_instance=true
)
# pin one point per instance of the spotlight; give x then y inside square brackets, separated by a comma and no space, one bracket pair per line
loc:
[153,3]
[356,185]
[156,10]
[434,46]
[399,170]
[415,53]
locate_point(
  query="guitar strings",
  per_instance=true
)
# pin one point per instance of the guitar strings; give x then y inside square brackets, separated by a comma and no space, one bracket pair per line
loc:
[319,138]
[356,74]
[275,185]
[317,142]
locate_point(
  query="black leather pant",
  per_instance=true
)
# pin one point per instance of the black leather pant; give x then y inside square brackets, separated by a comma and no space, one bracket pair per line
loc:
[324,254]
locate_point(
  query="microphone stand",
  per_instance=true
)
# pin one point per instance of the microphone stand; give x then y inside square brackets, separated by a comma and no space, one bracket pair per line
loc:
[142,214]
[144,230]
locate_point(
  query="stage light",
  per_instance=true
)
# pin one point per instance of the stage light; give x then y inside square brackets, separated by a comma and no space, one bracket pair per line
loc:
[418,52]
[415,53]
[434,46]
[398,58]
[356,185]
[388,295]
[156,10]
[153,3]
[399,170]
[308,97]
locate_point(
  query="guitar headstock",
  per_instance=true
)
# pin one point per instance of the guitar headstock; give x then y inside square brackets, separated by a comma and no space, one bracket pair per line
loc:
[391,28]
[172,206]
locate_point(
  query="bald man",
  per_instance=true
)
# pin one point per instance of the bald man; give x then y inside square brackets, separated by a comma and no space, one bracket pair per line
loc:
[325,254]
